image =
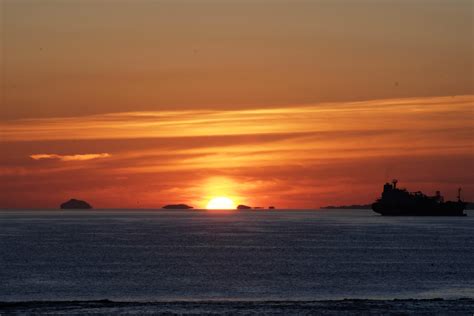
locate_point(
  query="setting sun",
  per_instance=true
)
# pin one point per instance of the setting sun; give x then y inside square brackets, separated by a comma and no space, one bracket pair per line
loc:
[220,203]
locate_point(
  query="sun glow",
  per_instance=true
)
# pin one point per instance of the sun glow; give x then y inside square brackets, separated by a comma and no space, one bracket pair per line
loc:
[220,203]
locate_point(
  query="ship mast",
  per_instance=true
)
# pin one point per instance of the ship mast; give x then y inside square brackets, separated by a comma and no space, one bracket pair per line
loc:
[394,181]
[459,194]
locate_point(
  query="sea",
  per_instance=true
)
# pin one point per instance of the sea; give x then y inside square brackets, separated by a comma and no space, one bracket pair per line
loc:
[275,262]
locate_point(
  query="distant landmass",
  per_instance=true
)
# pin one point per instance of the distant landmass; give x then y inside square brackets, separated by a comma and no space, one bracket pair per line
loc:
[75,205]
[177,207]
[348,207]
[243,207]
[246,207]
[469,206]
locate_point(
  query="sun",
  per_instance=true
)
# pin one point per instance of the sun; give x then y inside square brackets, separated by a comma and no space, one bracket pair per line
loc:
[221,203]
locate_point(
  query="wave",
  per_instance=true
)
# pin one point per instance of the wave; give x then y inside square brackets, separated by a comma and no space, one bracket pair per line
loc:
[274,307]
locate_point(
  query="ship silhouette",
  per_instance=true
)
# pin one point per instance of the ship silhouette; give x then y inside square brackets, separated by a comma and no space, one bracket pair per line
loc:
[400,202]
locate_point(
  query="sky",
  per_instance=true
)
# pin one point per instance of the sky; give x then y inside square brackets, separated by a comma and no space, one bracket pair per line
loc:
[297,104]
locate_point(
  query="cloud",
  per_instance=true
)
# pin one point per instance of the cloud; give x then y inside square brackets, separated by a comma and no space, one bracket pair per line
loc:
[377,115]
[80,157]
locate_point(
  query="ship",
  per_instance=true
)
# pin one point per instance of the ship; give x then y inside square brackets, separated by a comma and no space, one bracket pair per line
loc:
[400,202]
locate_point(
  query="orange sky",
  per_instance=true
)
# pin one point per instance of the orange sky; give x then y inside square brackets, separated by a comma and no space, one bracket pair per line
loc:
[299,156]
[287,103]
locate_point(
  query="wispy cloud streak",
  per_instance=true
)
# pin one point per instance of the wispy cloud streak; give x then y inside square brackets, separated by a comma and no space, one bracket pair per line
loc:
[79,157]
[403,114]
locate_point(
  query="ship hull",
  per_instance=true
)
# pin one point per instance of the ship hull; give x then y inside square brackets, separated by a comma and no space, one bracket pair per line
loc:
[442,209]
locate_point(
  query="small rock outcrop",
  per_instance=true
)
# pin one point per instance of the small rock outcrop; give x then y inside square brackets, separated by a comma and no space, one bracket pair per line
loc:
[74,204]
[178,207]
[243,207]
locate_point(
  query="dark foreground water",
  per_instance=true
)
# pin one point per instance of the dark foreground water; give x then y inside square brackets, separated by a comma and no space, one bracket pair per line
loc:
[196,261]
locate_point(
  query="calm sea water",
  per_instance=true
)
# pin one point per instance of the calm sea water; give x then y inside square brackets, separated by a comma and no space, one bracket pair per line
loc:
[244,256]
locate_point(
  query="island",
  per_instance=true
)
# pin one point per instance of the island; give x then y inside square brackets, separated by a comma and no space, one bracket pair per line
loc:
[177,207]
[74,204]
[243,207]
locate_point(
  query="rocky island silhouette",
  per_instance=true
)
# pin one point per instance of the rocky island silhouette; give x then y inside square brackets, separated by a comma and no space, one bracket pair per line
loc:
[243,207]
[74,204]
[177,207]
